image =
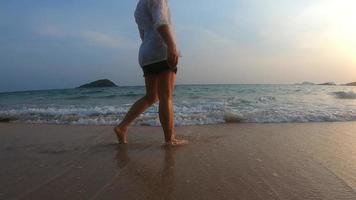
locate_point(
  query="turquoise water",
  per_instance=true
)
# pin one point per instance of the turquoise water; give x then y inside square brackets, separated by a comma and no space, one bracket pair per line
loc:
[194,104]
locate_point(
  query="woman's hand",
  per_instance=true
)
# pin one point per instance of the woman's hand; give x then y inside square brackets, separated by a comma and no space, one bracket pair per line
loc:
[172,51]
[172,56]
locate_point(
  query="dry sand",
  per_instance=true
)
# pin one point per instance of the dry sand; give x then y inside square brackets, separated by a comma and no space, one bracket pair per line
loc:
[231,161]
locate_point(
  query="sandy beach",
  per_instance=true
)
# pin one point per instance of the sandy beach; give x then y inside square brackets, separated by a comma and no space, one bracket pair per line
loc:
[229,161]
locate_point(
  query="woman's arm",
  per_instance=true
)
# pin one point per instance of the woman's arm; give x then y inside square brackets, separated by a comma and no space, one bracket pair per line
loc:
[172,52]
[160,16]
[142,34]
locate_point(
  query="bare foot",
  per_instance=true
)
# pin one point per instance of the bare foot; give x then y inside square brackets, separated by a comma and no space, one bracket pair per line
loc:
[176,142]
[121,134]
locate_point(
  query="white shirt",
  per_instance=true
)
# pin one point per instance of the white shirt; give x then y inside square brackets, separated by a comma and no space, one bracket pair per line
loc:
[149,15]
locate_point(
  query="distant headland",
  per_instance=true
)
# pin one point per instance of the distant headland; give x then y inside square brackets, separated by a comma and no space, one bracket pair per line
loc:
[305,83]
[351,84]
[326,83]
[99,83]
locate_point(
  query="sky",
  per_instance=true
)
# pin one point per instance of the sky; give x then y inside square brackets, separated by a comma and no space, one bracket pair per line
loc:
[51,44]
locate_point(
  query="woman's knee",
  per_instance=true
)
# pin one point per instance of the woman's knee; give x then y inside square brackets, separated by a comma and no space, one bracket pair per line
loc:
[165,95]
[151,99]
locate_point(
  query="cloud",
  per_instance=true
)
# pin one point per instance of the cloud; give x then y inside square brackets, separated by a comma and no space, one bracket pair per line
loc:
[51,31]
[295,41]
[102,39]
[89,37]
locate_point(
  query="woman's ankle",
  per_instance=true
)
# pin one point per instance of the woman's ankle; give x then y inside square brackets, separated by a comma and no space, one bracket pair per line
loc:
[121,127]
[175,142]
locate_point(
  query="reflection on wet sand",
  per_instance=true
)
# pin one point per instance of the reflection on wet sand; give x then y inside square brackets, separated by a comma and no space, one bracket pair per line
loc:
[122,157]
[245,161]
[168,174]
[154,174]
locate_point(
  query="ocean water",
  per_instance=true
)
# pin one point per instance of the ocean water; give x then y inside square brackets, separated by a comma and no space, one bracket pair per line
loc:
[194,104]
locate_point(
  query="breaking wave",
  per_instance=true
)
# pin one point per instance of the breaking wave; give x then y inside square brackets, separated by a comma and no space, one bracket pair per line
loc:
[199,115]
[345,95]
[193,105]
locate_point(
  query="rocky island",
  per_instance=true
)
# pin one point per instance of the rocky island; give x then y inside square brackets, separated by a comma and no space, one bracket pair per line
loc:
[327,83]
[351,84]
[305,83]
[99,83]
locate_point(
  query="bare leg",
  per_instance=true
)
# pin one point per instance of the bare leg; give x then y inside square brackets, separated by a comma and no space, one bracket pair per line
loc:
[137,108]
[166,84]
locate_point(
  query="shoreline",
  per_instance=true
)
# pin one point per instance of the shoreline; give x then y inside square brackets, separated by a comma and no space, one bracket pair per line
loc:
[223,161]
[179,126]
[189,84]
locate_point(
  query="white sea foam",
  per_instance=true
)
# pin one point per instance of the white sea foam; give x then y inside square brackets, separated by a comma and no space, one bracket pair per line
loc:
[216,104]
[199,115]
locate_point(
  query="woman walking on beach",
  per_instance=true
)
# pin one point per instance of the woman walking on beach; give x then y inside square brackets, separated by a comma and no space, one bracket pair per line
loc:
[158,58]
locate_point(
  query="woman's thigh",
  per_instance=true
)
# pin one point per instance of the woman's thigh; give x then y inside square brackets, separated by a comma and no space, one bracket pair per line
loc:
[151,83]
[166,83]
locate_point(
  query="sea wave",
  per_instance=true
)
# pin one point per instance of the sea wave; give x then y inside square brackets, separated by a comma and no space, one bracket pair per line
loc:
[82,97]
[110,96]
[345,95]
[184,115]
[193,105]
[62,111]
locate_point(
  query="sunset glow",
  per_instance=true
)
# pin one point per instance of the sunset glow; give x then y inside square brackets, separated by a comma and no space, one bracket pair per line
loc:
[339,19]
[239,41]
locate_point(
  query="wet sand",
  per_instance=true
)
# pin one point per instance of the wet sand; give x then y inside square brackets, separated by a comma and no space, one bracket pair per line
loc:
[230,161]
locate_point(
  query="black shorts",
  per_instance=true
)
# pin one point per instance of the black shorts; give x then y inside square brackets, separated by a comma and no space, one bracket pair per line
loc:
[156,68]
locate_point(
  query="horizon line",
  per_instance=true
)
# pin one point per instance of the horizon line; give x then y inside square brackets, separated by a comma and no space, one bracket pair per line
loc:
[181,84]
